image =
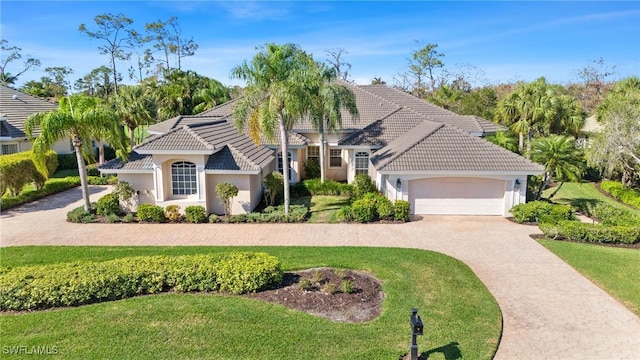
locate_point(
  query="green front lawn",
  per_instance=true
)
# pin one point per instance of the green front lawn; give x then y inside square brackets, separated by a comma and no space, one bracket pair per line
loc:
[322,208]
[581,194]
[616,270]
[455,307]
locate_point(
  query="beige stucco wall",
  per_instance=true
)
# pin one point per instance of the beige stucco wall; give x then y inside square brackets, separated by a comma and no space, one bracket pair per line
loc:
[61,147]
[143,183]
[162,177]
[241,204]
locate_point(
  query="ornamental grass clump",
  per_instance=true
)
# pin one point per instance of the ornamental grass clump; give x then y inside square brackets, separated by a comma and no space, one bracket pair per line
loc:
[84,282]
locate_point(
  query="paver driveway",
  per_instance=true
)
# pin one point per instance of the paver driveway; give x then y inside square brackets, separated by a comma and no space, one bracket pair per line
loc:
[549,310]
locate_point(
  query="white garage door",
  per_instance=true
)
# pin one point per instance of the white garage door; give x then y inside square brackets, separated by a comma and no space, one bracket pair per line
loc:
[457,196]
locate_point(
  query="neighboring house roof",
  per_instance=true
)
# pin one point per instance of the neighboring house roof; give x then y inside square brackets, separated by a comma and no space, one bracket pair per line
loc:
[16,106]
[438,147]
[227,149]
[591,125]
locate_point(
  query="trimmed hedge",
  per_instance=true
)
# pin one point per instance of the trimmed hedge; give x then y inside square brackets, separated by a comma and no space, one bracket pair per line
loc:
[316,187]
[592,233]
[273,214]
[610,215]
[541,211]
[630,197]
[79,215]
[52,186]
[363,185]
[374,206]
[17,170]
[108,205]
[85,282]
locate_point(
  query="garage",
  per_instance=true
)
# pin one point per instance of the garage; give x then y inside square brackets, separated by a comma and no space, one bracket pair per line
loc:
[457,196]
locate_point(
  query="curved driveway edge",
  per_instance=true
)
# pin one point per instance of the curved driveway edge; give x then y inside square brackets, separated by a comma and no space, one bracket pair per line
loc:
[549,310]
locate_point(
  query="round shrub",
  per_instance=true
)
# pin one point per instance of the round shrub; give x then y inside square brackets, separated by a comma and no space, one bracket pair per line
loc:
[384,207]
[152,213]
[362,185]
[364,210]
[172,213]
[195,214]
[108,205]
[344,214]
[213,218]
[312,169]
[401,210]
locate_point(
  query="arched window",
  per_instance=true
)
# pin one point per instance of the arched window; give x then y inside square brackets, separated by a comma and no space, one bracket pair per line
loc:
[362,163]
[184,178]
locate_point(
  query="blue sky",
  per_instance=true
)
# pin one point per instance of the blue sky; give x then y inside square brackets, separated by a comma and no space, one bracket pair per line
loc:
[504,41]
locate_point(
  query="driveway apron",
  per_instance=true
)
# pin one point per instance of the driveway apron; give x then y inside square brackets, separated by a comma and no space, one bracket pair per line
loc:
[549,310]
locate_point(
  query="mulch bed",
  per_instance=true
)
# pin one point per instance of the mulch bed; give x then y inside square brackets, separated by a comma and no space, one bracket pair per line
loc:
[363,303]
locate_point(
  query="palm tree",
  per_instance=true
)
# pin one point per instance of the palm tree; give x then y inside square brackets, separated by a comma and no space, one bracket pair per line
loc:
[561,159]
[76,116]
[569,116]
[208,97]
[134,107]
[526,110]
[278,93]
[329,99]
[504,139]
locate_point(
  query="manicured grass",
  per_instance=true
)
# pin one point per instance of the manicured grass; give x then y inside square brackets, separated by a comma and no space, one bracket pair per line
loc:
[455,307]
[616,270]
[322,208]
[581,194]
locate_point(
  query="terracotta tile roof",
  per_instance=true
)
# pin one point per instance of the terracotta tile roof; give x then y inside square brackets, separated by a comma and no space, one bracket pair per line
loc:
[434,147]
[17,106]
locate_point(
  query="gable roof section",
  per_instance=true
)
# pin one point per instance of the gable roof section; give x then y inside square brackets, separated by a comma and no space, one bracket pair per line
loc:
[445,148]
[182,139]
[135,163]
[18,109]
[384,131]
[470,123]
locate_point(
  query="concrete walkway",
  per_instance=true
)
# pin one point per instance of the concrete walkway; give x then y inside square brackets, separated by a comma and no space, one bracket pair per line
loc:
[549,310]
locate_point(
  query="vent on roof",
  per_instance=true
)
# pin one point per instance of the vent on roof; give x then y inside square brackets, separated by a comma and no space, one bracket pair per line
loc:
[14,97]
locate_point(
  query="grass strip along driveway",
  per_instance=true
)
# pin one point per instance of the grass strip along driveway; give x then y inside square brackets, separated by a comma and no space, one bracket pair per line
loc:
[616,270]
[460,315]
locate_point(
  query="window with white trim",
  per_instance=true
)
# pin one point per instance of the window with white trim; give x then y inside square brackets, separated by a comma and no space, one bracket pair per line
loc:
[290,165]
[313,152]
[335,158]
[9,149]
[184,178]
[362,163]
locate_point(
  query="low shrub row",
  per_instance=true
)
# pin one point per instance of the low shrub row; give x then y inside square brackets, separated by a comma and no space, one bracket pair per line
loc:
[592,233]
[610,215]
[84,282]
[628,196]
[51,186]
[316,187]
[374,206]
[541,212]
[271,214]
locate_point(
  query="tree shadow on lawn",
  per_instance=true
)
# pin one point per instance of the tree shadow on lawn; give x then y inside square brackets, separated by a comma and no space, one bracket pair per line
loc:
[451,351]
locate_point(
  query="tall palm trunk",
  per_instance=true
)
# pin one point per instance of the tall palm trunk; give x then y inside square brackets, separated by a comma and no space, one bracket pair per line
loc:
[521,142]
[322,150]
[82,170]
[132,137]
[284,141]
[101,159]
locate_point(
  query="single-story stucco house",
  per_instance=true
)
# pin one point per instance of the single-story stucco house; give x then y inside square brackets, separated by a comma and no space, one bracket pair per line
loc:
[15,108]
[413,150]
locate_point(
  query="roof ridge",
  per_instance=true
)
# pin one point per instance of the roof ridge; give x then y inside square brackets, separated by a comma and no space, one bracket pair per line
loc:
[234,150]
[377,96]
[412,144]
[198,137]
